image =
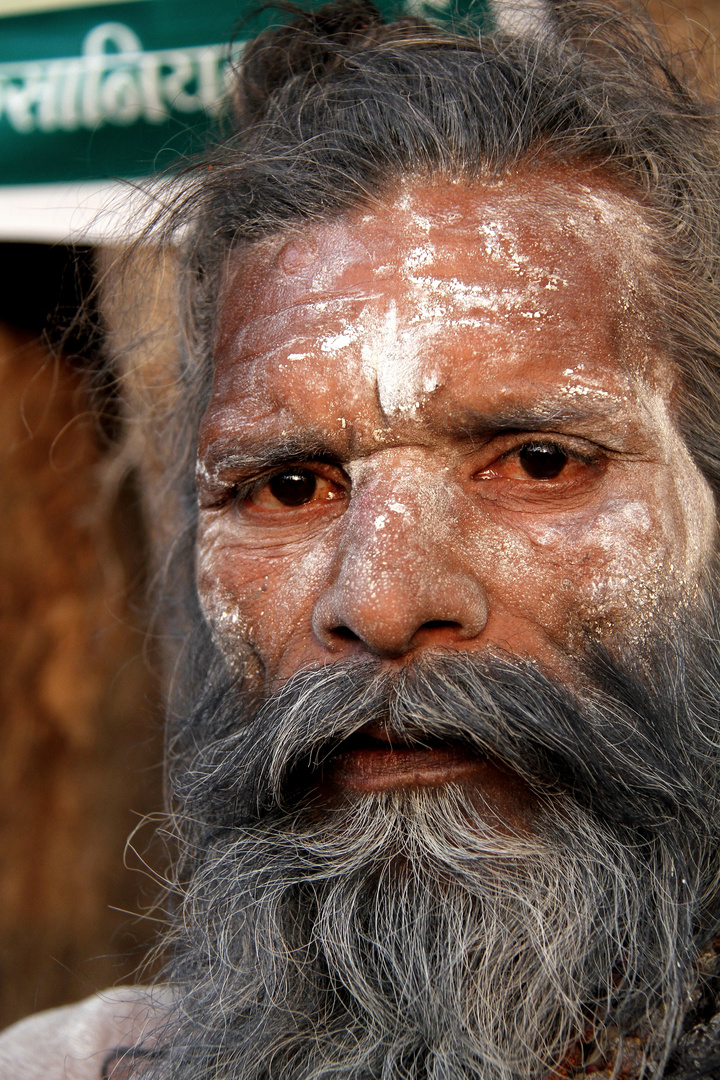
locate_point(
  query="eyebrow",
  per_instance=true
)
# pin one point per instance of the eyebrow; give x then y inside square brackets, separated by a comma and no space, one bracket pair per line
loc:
[472,423]
[605,421]
[248,452]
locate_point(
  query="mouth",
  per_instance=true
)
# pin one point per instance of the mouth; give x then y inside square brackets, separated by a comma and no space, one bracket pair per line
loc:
[374,760]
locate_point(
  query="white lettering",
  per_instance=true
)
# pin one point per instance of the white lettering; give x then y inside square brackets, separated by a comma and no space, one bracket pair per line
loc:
[114,81]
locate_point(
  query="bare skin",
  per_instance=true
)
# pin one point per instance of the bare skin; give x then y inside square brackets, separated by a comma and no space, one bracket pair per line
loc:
[444,425]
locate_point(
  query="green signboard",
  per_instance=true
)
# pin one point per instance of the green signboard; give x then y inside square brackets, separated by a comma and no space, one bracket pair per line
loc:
[122,90]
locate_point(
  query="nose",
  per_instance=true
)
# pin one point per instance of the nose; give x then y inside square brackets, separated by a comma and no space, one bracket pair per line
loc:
[398,586]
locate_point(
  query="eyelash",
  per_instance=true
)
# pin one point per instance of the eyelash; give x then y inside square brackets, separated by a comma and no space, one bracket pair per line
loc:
[571,452]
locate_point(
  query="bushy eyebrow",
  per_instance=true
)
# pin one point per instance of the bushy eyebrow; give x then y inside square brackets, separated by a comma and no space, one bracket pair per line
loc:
[248,454]
[473,424]
[256,451]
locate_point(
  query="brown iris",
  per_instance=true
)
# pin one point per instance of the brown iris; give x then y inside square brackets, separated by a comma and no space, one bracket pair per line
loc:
[543,461]
[294,487]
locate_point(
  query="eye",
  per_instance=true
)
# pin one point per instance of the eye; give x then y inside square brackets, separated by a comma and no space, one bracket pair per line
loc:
[543,461]
[292,488]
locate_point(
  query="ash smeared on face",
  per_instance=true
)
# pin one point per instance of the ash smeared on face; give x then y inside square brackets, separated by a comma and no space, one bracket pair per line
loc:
[424,358]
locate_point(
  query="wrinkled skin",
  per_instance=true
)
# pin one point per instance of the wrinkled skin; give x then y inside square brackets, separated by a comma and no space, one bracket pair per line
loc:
[445,424]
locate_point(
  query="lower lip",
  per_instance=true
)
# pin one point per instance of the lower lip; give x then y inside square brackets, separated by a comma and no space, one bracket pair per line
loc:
[380,770]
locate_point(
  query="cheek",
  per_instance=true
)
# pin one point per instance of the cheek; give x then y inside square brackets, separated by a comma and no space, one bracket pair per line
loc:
[651,554]
[612,573]
[635,574]
[524,568]
[255,602]
[231,603]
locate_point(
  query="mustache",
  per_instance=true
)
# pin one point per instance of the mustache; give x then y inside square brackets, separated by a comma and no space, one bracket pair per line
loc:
[628,749]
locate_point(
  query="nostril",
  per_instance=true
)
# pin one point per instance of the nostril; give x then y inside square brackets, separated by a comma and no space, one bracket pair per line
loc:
[440,632]
[401,612]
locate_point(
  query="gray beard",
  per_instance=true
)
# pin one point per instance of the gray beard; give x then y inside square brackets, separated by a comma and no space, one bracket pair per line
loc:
[413,934]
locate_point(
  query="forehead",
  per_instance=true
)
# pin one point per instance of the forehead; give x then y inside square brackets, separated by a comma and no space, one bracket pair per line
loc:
[505,280]
[536,228]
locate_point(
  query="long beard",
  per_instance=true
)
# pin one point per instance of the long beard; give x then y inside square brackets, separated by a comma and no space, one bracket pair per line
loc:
[417,933]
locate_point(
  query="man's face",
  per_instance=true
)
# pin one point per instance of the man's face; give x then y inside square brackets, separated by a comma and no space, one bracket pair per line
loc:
[433,831]
[444,424]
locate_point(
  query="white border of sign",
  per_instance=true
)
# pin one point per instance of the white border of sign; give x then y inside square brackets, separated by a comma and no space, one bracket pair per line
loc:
[92,212]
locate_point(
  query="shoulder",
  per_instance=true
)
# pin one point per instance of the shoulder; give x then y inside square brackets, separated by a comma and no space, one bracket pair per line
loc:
[73,1042]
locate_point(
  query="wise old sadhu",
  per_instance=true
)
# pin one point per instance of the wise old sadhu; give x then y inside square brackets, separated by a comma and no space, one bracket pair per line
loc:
[444,744]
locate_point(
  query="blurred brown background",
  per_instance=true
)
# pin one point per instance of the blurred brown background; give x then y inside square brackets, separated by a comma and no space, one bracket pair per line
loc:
[80,693]
[80,711]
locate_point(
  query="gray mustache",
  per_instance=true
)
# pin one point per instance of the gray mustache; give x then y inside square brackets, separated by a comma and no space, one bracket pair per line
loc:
[627,753]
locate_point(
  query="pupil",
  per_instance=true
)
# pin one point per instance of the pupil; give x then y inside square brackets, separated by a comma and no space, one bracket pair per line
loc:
[293,488]
[543,462]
